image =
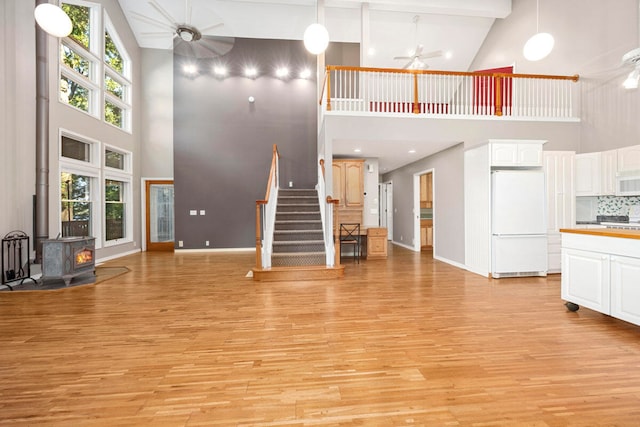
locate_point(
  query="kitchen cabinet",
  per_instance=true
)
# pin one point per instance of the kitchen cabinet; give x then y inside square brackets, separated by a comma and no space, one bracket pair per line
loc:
[516,153]
[629,158]
[426,233]
[348,187]
[426,190]
[560,196]
[588,171]
[602,272]
[609,169]
[625,288]
[376,243]
[596,173]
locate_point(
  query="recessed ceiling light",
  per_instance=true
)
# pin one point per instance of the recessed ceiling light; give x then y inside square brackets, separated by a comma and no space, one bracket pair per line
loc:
[282,72]
[305,74]
[190,69]
[250,72]
[371,51]
[357,150]
[448,54]
[412,151]
[220,70]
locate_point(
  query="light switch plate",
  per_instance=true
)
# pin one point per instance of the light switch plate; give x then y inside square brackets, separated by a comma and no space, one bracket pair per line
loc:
[193,212]
[202,212]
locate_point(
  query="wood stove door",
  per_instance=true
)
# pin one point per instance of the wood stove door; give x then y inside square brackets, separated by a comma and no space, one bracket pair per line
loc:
[159,216]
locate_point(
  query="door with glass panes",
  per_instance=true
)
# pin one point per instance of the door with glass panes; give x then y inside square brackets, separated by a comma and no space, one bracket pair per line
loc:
[159,215]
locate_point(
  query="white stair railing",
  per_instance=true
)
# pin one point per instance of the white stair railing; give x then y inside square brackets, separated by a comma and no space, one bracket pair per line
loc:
[266,214]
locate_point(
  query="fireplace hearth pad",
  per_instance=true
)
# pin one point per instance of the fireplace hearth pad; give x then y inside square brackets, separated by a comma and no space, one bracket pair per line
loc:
[68,257]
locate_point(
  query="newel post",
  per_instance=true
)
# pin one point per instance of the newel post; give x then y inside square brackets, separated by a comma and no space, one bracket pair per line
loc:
[416,107]
[498,100]
[328,89]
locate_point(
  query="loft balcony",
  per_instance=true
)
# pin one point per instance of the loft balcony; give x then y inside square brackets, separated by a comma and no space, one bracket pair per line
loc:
[361,91]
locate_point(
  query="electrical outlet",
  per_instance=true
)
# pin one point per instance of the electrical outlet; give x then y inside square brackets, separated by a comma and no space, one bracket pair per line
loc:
[202,212]
[290,184]
[206,243]
[401,238]
[180,243]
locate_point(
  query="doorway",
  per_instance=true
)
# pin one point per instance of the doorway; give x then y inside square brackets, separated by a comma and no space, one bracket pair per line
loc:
[424,208]
[159,219]
[385,198]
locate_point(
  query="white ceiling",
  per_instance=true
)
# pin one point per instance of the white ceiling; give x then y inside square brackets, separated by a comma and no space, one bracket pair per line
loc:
[458,27]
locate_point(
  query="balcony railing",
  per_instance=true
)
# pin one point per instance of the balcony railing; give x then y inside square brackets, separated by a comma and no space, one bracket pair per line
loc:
[449,93]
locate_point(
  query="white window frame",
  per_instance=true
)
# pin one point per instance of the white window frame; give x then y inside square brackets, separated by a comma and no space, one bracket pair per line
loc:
[126,176]
[95,84]
[124,79]
[90,169]
[128,201]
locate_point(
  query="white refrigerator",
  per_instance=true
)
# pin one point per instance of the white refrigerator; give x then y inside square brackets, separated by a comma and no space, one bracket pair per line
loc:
[518,223]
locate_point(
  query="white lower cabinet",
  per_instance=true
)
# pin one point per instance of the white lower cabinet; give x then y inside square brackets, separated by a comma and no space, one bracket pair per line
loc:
[601,276]
[585,279]
[625,288]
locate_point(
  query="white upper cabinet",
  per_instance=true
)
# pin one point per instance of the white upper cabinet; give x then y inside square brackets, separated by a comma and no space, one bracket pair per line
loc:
[629,158]
[609,168]
[510,153]
[588,174]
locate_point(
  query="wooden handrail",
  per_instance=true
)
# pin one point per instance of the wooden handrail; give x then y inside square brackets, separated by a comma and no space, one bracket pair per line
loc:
[272,177]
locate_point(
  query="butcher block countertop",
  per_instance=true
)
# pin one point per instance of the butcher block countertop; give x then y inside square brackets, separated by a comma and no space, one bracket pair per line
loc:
[604,232]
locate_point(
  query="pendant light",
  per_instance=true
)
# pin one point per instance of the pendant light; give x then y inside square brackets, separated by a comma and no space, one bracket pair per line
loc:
[540,44]
[53,20]
[316,36]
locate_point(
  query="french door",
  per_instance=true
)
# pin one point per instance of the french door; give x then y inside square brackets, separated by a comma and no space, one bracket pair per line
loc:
[159,215]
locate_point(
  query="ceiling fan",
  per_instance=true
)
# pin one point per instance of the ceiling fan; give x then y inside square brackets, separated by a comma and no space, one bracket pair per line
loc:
[187,39]
[417,58]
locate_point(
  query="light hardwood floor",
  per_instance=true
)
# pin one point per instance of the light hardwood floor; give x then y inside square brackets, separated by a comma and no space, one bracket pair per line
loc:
[188,340]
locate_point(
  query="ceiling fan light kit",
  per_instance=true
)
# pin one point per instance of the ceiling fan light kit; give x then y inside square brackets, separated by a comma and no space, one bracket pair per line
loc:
[53,20]
[540,44]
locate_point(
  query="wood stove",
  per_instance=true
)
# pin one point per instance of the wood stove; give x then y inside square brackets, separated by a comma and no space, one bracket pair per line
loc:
[68,257]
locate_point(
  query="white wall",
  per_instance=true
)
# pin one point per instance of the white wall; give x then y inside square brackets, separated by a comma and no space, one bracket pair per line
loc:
[17,114]
[157,113]
[591,37]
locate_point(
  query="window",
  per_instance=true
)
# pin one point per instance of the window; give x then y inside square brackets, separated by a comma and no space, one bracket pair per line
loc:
[96,197]
[114,159]
[95,69]
[74,149]
[115,212]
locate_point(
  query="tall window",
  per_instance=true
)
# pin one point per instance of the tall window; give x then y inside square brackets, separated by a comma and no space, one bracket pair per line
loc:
[95,190]
[95,69]
[115,212]
[75,191]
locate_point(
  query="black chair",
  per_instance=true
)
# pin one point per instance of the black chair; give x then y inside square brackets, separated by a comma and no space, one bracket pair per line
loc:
[350,235]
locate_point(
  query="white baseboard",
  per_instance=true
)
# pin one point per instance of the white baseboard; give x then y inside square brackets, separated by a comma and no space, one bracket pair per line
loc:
[186,251]
[448,261]
[109,258]
[411,248]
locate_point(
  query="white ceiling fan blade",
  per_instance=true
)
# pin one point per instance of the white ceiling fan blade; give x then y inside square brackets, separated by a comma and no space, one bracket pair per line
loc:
[403,57]
[156,34]
[211,27]
[151,21]
[166,15]
[188,11]
[418,50]
[433,54]
[408,65]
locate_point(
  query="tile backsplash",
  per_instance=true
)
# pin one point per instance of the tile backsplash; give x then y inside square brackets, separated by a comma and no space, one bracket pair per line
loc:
[612,205]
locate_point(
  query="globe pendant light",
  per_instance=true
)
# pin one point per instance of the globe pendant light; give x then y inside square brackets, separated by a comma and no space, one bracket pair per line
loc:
[316,37]
[53,20]
[540,44]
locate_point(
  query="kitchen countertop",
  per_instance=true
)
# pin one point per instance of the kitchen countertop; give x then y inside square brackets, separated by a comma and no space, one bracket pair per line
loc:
[604,232]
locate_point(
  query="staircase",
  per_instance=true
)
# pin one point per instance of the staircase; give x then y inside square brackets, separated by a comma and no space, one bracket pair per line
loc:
[298,240]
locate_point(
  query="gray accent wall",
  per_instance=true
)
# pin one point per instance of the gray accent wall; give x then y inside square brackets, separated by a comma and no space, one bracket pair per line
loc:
[223,143]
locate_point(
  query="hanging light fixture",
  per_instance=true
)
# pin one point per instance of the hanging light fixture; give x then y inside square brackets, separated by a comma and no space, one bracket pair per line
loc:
[632,79]
[53,20]
[540,44]
[316,36]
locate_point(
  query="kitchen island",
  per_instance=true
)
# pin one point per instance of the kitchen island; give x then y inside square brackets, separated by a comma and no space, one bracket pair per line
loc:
[601,271]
